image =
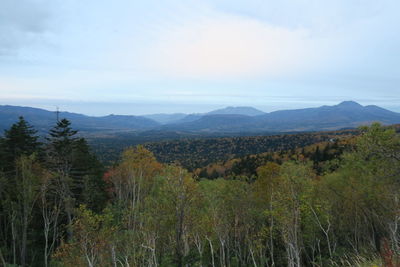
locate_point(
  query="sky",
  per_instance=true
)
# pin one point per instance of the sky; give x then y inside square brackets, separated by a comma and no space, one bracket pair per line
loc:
[101,57]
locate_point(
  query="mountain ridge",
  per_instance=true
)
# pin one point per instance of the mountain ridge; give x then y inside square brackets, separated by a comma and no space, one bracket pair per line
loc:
[241,110]
[43,119]
[347,114]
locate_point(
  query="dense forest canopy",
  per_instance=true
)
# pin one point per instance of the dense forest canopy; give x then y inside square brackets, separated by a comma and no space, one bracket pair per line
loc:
[196,151]
[334,203]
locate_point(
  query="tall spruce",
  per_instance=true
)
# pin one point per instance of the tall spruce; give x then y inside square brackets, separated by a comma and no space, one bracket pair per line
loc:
[61,144]
[60,148]
[20,139]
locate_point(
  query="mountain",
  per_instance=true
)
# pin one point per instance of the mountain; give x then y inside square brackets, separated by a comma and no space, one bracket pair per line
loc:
[125,122]
[178,118]
[348,114]
[213,123]
[166,118]
[247,111]
[43,120]
[189,118]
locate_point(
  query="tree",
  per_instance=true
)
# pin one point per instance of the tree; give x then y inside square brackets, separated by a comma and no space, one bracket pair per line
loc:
[51,206]
[132,179]
[181,192]
[60,147]
[91,243]
[291,196]
[367,183]
[28,175]
[87,172]
[265,190]
[61,143]
[20,139]
[17,150]
[18,210]
[131,183]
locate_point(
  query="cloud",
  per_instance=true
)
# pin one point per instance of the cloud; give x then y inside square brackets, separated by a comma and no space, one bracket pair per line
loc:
[285,39]
[198,51]
[21,22]
[230,46]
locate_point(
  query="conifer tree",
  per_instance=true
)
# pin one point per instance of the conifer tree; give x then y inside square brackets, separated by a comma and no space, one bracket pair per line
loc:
[59,158]
[61,144]
[20,139]
[79,173]
[88,173]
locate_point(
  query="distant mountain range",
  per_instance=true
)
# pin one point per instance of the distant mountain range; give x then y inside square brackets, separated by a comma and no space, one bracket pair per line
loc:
[182,117]
[166,118]
[43,120]
[247,111]
[348,114]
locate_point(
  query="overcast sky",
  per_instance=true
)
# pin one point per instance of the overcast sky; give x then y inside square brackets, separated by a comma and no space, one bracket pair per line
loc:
[134,57]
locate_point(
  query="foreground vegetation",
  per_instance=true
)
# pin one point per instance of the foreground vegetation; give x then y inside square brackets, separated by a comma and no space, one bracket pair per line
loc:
[58,207]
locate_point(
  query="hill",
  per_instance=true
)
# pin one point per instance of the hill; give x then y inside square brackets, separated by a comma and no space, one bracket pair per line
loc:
[347,114]
[247,111]
[43,120]
[227,121]
[166,118]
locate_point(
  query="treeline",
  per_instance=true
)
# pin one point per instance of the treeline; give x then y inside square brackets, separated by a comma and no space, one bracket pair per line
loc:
[55,212]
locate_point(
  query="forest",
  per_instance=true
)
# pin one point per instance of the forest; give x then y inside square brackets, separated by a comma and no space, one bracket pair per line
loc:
[191,150]
[332,203]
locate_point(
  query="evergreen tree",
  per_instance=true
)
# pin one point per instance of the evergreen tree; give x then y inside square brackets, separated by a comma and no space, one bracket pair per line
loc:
[317,155]
[71,158]
[88,171]
[20,139]
[325,153]
[60,155]
[79,173]
[60,148]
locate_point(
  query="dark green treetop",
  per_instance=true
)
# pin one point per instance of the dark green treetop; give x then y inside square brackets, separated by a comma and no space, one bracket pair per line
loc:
[20,139]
